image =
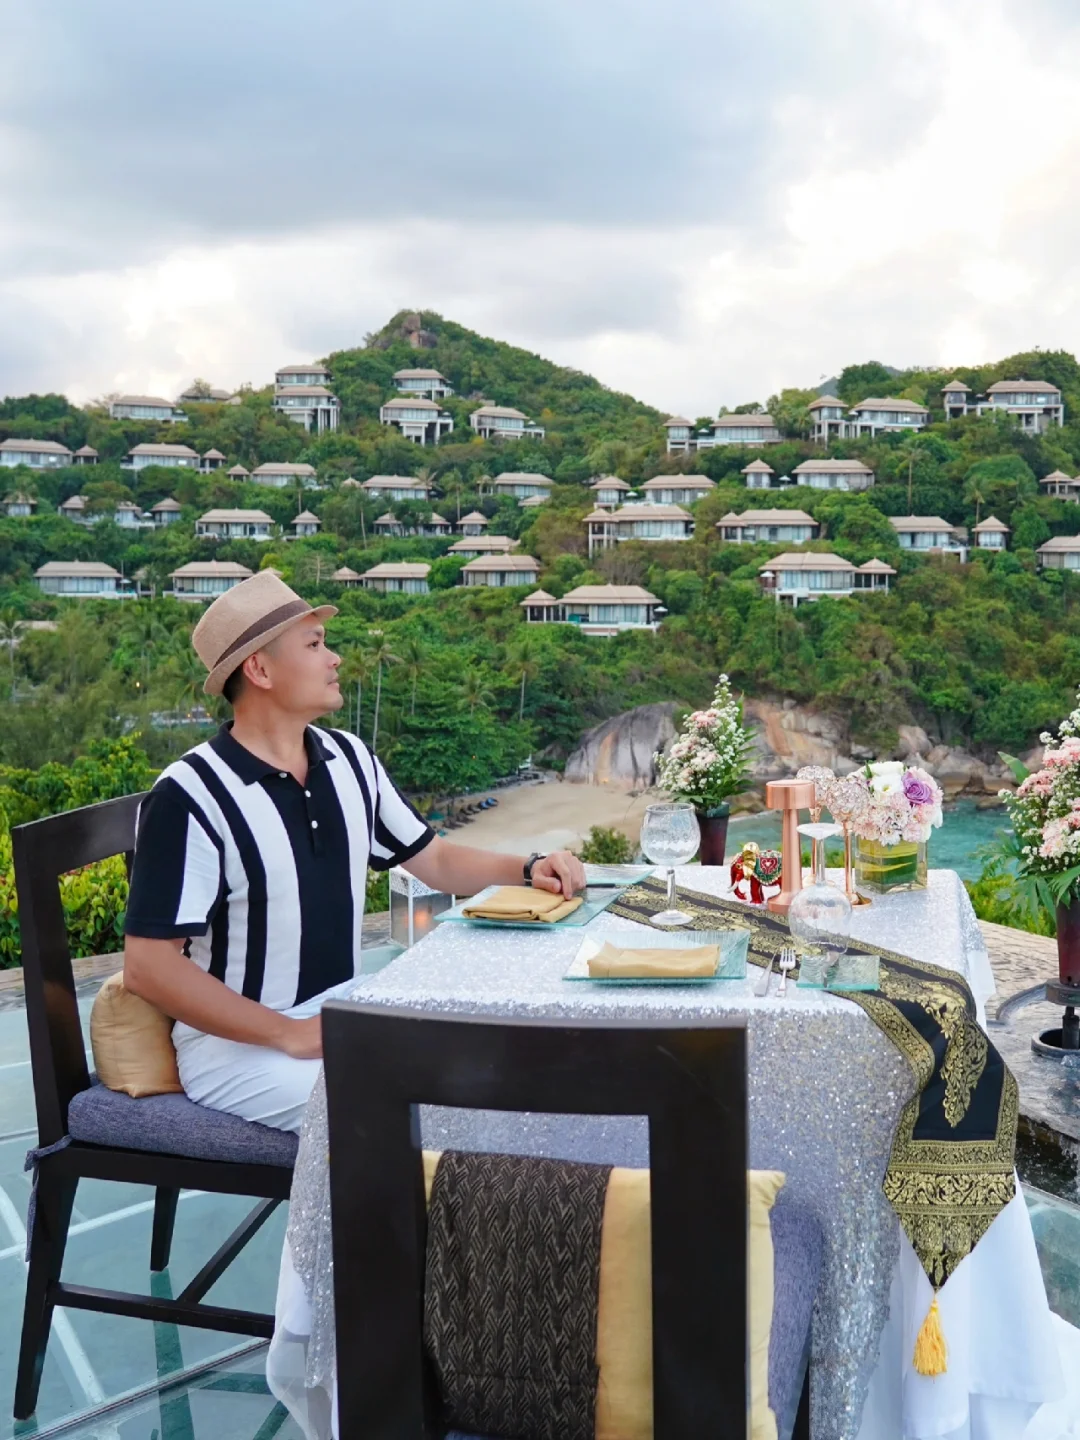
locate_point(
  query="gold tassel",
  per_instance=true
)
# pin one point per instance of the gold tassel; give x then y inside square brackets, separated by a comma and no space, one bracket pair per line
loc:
[931,1356]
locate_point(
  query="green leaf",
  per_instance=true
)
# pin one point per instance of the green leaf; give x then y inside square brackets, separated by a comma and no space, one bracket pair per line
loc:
[1018,769]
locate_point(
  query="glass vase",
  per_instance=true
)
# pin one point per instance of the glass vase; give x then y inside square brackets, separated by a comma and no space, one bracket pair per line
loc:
[881,869]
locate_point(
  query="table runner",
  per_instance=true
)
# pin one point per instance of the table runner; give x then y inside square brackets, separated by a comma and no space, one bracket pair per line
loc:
[950,1170]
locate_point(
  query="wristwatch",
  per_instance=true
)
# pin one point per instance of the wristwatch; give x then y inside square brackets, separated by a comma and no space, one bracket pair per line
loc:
[527,868]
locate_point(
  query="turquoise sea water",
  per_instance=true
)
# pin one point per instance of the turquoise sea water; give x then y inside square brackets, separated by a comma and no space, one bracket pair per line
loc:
[953,847]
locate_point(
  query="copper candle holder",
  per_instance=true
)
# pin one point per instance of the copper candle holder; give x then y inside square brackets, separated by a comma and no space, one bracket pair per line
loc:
[789,797]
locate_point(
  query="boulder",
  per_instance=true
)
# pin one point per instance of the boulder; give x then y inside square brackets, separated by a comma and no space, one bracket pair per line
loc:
[788,736]
[955,770]
[912,742]
[619,752]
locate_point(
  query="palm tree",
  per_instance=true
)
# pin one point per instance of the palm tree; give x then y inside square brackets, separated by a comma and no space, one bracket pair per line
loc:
[379,655]
[974,494]
[413,658]
[476,690]
[11,627]
[355,670]
[523,664]
[911,449]
[186,672]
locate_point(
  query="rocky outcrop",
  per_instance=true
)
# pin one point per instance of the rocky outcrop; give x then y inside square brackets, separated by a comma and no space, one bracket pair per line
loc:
[411,330]
[619,752]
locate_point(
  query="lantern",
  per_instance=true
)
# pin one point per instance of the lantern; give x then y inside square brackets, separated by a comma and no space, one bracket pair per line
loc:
[413,907]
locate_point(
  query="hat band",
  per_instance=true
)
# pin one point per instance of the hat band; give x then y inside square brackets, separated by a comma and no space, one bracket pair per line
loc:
[262,625]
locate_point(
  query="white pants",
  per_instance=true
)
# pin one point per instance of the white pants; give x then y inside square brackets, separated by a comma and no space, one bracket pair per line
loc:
[252,1081]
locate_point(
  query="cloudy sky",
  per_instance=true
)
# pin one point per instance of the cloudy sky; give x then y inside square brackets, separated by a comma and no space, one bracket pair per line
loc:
[699,201]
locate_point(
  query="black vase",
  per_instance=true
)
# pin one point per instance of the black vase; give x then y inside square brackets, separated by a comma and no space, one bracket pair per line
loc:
[713,824]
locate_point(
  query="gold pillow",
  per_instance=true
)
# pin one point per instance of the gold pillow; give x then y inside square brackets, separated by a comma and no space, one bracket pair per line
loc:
[624,1318]
[132,1043]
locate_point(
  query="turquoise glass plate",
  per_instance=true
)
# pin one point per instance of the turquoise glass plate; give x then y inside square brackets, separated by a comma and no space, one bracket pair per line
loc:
[595,900]
[733,943]
[850,972]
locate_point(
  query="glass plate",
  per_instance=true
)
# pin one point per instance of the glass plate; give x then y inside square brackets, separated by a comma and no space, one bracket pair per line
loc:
[850,972]
[733,943]
[596,898]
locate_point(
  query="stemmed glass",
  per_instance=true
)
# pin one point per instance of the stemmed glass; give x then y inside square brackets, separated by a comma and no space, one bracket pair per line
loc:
[670,836]
[820,914]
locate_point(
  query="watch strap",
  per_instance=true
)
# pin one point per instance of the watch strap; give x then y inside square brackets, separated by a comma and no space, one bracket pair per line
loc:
[527,868]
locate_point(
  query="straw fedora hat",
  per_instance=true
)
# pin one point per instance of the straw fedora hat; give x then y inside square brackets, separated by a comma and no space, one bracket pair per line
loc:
[243,620]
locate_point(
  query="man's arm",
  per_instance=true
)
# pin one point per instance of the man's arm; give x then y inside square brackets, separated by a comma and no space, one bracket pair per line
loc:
[463,870]
[160,972]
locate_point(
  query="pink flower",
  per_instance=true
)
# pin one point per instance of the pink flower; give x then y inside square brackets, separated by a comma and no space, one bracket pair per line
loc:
[918,792]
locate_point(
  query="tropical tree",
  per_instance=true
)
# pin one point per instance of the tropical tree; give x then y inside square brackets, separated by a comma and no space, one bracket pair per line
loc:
[380,656]
[11,627]
[414,657]
[475,690]
[523,665]
[911,448]
[354,672]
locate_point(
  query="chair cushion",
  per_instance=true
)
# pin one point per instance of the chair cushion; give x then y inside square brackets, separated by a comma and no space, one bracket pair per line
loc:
[132,1043]
[175,1125]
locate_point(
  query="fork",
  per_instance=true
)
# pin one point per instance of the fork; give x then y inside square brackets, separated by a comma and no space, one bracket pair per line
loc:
[787,964]
[762,987]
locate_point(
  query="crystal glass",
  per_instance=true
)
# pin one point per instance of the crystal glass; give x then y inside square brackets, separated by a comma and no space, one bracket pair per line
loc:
[820,914]
[820,775]
[670,836]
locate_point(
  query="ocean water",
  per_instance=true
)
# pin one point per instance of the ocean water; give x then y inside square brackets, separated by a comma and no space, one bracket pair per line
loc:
[954,847]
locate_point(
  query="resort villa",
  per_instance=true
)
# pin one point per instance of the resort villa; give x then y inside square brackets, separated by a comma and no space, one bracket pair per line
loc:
[991,534]
[503,422]
[1035,405]
[181,457]
[760,476]
[206,579]
[211,460]
[18,506]
[86,455]
[637,522]
[305,524]
[833,475]
[301,394]
[234,525]
[676,489]
[473,524]
[281,473]
[501,570]
[396,487]
[428,384]
[82,580]
[166,512]
[522,485]
[609,491]
[1060,553]
[873,417]
[422,421]
[727,430]
[405,577]
[146,407]
[37,454]
[826,419]
[347,577]
[787,527]
[469,547]
[930,533]
[200,394]
[1060,485]
[805,575]
[73,508]
[596,609]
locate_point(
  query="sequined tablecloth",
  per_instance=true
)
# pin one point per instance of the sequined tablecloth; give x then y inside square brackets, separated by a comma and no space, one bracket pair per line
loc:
[825,1092]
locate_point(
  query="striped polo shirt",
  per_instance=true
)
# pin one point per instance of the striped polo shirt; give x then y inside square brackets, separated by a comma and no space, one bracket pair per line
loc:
[264,877]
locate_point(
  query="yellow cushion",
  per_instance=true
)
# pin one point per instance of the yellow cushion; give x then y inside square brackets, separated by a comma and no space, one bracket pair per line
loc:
[624,1319]
[132,1043]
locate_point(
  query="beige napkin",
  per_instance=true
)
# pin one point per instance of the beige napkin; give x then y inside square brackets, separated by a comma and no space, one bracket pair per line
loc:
[522,902]
[689,963]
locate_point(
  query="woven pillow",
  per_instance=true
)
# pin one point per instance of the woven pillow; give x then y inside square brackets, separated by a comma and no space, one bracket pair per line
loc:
[624,1316]
[132,1043]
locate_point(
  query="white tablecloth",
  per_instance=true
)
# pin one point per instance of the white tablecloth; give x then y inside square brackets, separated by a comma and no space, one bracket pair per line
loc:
[826,1121]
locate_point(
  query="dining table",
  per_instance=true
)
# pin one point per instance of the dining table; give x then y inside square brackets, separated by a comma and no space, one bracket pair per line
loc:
[825,1091]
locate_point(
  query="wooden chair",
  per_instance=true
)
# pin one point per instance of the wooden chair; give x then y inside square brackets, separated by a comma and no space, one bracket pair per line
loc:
[690,1081]
[88,1132]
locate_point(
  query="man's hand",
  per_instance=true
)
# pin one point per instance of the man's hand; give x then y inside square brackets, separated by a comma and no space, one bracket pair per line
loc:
[561,870]
[302,1039]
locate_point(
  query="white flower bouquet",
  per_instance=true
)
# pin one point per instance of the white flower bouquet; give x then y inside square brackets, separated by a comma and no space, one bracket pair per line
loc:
[710,761]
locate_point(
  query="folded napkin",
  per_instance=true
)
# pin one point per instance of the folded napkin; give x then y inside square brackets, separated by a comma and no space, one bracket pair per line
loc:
[691,962]
[522,902]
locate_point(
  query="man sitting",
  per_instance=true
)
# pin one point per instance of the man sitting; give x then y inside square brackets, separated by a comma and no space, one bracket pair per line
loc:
[252,851]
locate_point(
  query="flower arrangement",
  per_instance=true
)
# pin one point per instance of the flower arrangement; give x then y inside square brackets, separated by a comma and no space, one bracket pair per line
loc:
[903,804]
[1045,813]
[710,761]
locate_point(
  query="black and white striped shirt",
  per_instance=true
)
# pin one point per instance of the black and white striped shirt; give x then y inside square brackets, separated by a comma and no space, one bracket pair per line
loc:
[262,875]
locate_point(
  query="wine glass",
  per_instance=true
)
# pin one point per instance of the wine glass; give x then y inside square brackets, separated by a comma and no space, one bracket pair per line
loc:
[670,836]
[820,914]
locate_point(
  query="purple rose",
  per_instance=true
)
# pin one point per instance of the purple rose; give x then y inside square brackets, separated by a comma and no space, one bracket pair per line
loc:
[918,792]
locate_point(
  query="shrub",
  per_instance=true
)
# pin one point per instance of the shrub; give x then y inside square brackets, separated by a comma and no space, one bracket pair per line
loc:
[604,846]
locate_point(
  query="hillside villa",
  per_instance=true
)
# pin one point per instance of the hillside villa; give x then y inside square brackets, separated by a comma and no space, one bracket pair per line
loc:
[930,533]
[1035,405]
[206,579]
[166,512]
[234,525]
[991,534]
[86,455]
[676,489]
[146,407]
[788,527]
[1060,553]
[388,524]
[404,577]
[473,524]
[727,430]
[73,508]
[17,506]
[522,485]
[873,416]
[609,490]
[211,460]
[427,383]
[833,475]
[181,457]
[282,473]
[596,609]
[419,420]
[760,476]
[203,395]
[238,472]
[301,393]
[473,545]
[503,422]
[1064,487]
[501,570]
[82,580]
[826,419]
[37,454]
[305,525]
[806,575]
[637,522]
[396,487]
[347,577]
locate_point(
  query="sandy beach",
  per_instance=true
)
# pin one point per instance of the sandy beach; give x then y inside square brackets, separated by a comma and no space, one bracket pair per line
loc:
[552,815]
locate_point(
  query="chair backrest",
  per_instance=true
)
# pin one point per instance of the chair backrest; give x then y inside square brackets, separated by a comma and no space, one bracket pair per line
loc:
[688,1080]
[43,850]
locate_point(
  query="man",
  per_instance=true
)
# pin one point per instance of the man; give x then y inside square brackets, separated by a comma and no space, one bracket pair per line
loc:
[247,890]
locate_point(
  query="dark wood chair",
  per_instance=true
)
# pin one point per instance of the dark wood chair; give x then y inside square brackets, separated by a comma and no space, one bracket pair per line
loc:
[690,1081]
[88,1132]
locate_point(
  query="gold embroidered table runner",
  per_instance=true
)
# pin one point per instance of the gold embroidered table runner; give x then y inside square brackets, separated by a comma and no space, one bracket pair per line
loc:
[951,1168]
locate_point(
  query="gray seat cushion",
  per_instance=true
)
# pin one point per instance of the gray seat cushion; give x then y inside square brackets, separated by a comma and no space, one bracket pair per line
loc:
[175,1125]
[797,1247]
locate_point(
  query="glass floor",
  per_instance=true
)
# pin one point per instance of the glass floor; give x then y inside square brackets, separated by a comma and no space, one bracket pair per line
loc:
[121,1379]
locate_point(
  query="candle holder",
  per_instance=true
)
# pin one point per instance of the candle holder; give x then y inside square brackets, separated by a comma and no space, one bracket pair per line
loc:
[789,797]
[845,799]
